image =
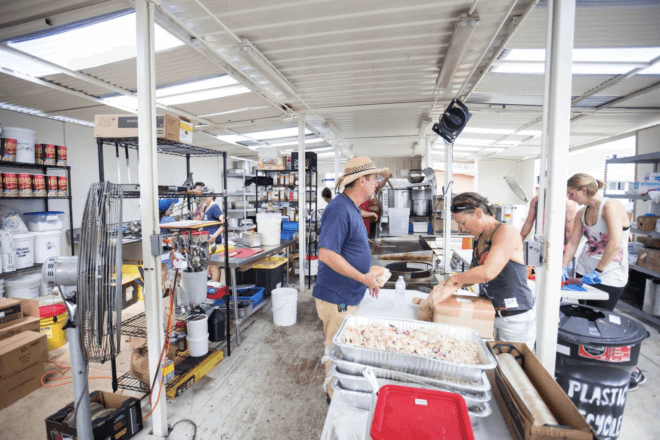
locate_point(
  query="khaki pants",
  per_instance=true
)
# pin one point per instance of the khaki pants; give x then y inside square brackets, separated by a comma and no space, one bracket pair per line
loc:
[332,319]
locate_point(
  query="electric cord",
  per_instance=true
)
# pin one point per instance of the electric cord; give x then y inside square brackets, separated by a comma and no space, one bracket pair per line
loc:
[187,421]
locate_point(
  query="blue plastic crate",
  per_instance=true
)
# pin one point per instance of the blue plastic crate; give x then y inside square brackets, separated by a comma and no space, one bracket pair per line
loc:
[287,235]
[257,295]
[290,226]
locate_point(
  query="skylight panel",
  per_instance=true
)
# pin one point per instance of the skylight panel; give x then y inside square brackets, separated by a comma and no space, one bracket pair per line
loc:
[90,46]
[20,64]
[307,141]
[274,134]
[196,86]
[203,95]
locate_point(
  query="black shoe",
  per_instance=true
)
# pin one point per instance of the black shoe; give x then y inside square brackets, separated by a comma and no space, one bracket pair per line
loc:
[328,399]
[636,378]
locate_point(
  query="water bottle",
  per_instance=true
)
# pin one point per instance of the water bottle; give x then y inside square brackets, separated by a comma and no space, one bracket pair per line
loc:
[217,324]
[400,292]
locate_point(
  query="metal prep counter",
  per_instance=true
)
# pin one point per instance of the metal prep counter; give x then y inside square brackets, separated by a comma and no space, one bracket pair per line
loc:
[234,263]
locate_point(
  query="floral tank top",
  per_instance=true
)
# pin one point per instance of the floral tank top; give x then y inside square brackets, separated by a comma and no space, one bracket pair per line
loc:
[616,273]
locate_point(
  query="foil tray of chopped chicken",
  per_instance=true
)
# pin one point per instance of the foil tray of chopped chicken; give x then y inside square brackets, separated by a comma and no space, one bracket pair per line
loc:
[422,348]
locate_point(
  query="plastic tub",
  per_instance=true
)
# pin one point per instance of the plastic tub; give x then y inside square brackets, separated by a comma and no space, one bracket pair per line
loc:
[285,306]
[398,221]
[25,140]
[198,326]
[24,246]
[53,318]
[198,346]
[26,286]
[269,226]
[47,244]
[194,285]
[44,221]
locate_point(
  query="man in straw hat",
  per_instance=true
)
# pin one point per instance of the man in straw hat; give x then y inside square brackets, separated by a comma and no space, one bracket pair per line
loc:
[344,255]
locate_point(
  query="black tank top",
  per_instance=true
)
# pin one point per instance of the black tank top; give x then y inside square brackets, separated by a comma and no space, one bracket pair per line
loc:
[508,290]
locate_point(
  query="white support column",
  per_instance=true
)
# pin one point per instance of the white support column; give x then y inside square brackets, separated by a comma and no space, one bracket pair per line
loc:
[302,201]
[427,154]
[559,116]
[336,163]
[447,252]
[153,304]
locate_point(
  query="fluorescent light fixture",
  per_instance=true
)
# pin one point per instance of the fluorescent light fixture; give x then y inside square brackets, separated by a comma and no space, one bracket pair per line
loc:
[307,141]
[203,95]
[228,112]
[84,47]
[463,31]
[506,143]
[35,112]
[260,135]
[261,71]
[503,131]
[18,63]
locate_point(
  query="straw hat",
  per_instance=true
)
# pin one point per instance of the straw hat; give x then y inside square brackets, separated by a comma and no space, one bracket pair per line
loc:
[356,168]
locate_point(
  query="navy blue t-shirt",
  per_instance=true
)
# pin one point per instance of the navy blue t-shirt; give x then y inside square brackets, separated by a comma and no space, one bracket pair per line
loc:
[343,232]
[213,213]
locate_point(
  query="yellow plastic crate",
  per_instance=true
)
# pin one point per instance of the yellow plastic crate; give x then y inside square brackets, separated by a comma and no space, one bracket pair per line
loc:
[130,272]
[270,263]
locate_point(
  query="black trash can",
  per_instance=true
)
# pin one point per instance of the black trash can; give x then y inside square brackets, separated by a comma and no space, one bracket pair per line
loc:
[596,352]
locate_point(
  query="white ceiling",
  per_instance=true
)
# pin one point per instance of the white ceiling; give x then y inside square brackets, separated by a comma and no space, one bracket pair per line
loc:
[367,67]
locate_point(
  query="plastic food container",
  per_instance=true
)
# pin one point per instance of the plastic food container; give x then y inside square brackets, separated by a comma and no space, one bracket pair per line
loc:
[44,221]
[53,318]
[26,286]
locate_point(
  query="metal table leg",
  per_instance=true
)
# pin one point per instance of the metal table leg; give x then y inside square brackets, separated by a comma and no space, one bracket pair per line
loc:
[287,266]
[235,299]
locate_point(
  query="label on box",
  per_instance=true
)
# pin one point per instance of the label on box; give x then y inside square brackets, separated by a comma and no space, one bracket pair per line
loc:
[607,354]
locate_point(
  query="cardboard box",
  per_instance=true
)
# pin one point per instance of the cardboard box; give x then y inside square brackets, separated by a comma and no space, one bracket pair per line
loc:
[519,419]
[271,163]
[30,307]
[10,311]
[121,126]
[24,324]
[439,225]
[184,381]
[185,131]
[649,259]
[645,187]
[645,223]
[21,351]
[438,204]
[21,384]
[121,424]
[649,242]
[467,311]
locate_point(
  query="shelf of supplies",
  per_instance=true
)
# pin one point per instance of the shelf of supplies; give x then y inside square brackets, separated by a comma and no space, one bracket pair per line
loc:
[648,233]
[239,175]
[128,382]
[640,158]
[136,195]
[32,165]
[20,271]
[240,194]
[164,146]
[137,325]
[628,196]
[645,270]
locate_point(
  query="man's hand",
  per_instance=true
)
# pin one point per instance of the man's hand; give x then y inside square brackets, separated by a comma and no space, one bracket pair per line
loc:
[369,280]
[374,216]
[386,173]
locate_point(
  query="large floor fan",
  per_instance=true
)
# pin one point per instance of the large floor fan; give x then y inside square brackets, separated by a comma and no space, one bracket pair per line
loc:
[94,307]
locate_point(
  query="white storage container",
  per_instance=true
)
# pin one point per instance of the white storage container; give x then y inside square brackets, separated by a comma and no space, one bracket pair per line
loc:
[269,226]
[26,286]
[398,220]
[47,244]
[25,140]
[44,221]
[24,246]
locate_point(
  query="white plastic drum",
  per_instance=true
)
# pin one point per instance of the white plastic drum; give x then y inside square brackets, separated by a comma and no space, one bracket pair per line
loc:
[26,286]
[24,245]
[25,140]
[47,244]
[285,306]
[198,346]
[269,225]
[194,285]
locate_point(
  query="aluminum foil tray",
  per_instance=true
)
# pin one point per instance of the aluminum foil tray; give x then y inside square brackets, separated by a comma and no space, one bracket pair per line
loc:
[360,383]
[417,365]
[362,400]
[351,368]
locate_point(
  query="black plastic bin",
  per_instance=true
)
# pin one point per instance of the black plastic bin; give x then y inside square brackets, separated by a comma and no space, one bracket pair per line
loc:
[596,352]
[266,278]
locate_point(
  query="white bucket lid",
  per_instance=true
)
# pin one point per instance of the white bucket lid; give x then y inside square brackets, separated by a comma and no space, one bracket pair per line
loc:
[22,236]
[24,279]
[6,131]
[284,291]
[52,233]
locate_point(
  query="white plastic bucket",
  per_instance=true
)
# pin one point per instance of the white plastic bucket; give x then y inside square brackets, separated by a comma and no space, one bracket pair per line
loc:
[194,284]
[198,326]
[269,225]
[26,286]
[47,244]
[25,140]
[198,346]
[285,306]
[398,221]
[24,246]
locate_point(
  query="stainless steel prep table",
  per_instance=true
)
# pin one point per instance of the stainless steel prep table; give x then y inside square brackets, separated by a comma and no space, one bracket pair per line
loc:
[234,263]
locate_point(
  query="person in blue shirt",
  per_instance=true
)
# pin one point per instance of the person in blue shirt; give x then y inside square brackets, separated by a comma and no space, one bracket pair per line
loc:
[344,254]
[212,212]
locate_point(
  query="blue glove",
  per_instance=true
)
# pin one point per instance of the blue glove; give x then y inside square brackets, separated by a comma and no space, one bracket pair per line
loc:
[564,273]
[592,277]
[574,288]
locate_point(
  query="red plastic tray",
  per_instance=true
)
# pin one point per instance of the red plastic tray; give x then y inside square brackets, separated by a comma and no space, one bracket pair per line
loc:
[405,413]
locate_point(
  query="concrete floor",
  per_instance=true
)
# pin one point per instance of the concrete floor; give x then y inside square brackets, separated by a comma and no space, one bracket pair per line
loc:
[270,388]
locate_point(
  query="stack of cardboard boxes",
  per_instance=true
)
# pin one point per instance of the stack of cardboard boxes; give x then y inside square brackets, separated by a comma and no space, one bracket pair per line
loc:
[649,256]
[126,126]
[23,349]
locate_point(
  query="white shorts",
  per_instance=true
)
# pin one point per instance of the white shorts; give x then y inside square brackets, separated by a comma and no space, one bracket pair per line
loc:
[517,328]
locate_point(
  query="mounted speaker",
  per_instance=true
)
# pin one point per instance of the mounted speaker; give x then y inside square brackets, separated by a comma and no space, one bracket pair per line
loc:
[453,121]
